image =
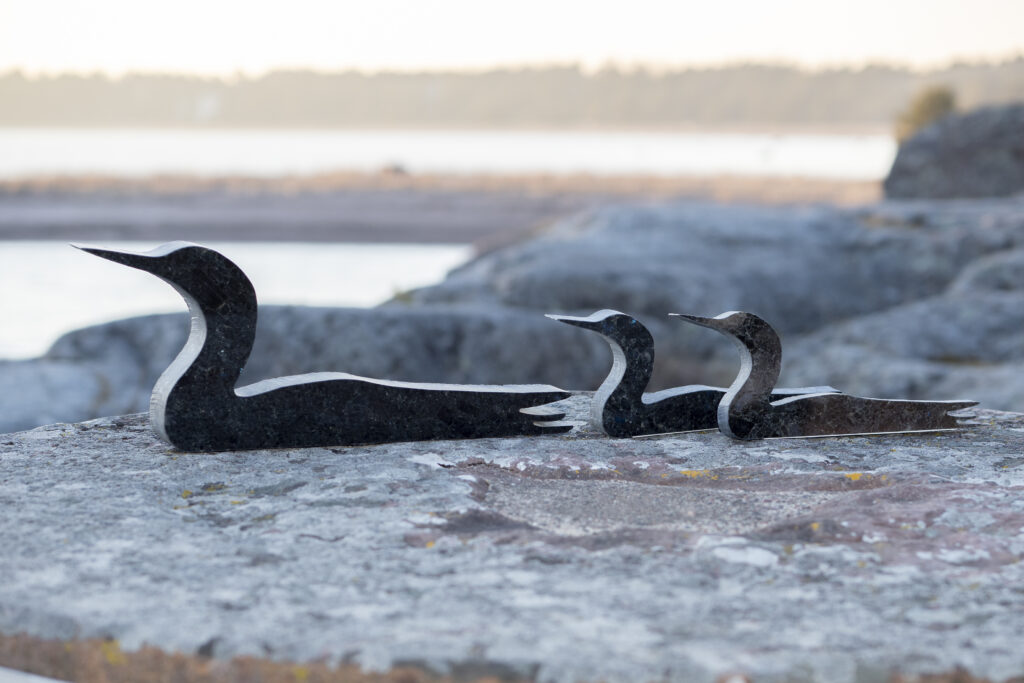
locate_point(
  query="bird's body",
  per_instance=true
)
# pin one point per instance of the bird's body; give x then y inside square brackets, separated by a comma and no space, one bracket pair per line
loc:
[196,407]
[622,409]
[748,411]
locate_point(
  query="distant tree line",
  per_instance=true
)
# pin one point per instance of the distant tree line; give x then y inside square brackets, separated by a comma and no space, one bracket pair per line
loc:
[551,96]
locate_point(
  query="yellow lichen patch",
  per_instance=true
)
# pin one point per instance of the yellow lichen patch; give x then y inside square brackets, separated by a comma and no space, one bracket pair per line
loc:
[429,544]
[238,502]
[696,474]
[111,650]
[815,526]
[300,673]
[210,488]
[186,494]
[856,476]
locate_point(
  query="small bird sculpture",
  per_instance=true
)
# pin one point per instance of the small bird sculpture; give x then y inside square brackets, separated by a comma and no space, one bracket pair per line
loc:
[196,407]
[621,409]
[748,412]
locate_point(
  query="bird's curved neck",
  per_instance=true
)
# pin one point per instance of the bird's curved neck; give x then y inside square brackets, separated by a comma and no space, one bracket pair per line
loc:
[623,388]
[760,362]
[206,370]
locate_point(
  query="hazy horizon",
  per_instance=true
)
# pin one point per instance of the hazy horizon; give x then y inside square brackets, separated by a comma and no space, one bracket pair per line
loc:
[236,37]
[627,69]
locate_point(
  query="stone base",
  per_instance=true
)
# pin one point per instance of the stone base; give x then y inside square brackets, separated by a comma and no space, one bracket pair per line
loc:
[683,557]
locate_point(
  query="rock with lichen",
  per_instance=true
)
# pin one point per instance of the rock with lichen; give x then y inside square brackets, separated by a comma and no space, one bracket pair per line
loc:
[978,154]
[560,558]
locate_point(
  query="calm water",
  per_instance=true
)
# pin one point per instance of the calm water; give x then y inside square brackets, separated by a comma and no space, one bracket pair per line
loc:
[47,288]
[26,151]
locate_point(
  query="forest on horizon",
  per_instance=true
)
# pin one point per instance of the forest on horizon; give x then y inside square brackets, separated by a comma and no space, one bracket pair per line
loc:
[556,96]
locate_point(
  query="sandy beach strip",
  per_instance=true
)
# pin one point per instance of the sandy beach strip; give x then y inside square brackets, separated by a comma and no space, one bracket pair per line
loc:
[394,206]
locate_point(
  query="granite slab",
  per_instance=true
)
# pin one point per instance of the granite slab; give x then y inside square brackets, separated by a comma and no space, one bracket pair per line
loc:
[556,558]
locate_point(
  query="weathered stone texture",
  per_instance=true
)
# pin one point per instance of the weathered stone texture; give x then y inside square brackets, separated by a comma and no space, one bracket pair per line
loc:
[979,154]
[567,558]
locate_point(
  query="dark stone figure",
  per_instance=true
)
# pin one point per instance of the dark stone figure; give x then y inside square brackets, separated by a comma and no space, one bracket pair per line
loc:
[620,407]
[196,407]
[748,411]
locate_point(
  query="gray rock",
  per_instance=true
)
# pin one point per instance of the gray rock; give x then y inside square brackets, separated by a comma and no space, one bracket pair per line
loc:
[803,268]
[681,558]
[800,266]
[963,345]
[980,154]
[1000,272]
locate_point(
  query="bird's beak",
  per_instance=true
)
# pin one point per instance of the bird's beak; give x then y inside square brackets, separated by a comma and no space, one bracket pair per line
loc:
[585,323]
[712,323]
[144,262]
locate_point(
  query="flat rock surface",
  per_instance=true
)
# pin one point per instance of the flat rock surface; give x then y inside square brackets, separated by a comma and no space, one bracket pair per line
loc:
[681,557]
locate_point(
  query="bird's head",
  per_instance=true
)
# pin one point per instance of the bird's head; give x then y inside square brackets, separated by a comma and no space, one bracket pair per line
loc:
[743,327]
[198,273]
[612,325]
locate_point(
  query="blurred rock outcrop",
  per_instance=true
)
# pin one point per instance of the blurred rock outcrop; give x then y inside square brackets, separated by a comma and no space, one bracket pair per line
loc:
[980,154]
[914,299]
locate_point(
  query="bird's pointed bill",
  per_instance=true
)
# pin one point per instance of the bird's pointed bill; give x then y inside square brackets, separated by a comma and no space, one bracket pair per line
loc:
[590,322]
[696,319]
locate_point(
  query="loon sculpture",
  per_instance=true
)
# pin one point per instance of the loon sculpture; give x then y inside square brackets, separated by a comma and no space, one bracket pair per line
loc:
[196,407]
[621,409]
[748,412]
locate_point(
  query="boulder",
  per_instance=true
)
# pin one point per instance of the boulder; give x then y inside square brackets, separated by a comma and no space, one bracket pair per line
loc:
[917,286]
[676,558]
[966,344]
[980,154]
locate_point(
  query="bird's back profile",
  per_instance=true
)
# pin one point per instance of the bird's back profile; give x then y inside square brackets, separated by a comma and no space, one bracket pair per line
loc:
[621,408]
[748,411]
[196,406]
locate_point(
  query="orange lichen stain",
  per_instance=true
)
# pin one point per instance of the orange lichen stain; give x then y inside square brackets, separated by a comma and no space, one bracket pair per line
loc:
[111,650]
[663,476]
[300,673]
[855,476]
[815,526]
[696,474]
[186,494]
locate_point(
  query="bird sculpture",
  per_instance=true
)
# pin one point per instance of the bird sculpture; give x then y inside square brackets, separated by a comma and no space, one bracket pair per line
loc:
[621,409]
[196,407]
[748,412]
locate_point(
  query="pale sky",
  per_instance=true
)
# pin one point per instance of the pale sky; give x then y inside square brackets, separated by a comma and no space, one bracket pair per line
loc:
[254,36]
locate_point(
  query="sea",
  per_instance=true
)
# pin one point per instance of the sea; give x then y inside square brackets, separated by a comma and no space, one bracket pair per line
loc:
[48,288]
[55,151]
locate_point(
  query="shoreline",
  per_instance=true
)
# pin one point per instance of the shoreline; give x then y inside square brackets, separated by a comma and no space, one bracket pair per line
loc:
[383,207]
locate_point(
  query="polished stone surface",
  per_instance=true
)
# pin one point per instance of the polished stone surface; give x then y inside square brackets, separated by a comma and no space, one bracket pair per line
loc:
[622,409]
[748,412]
[196,407]
[568,558]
